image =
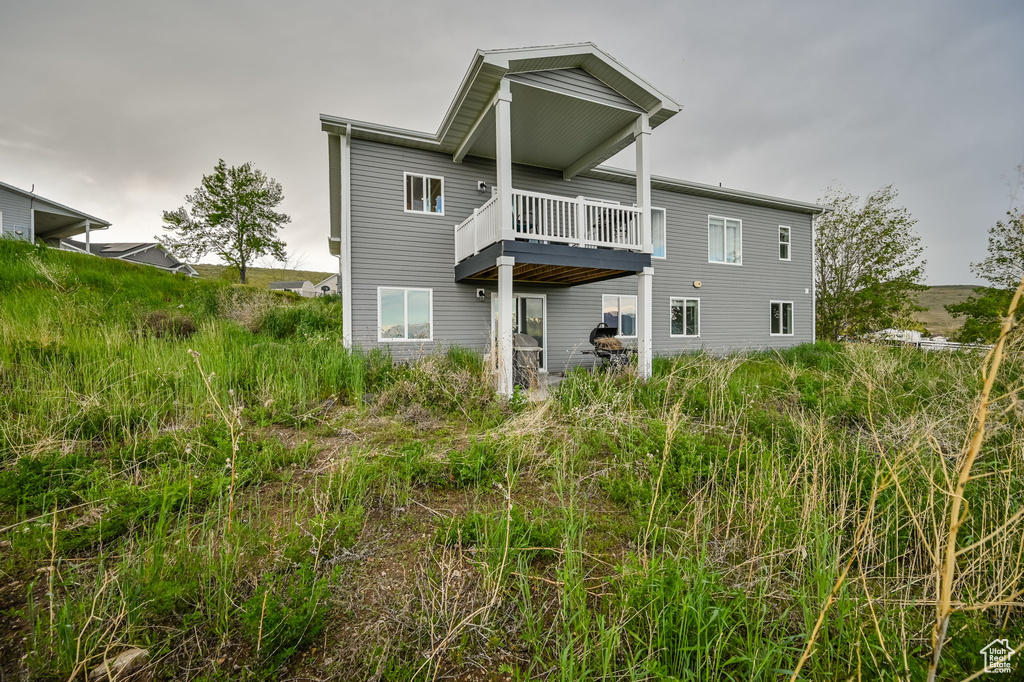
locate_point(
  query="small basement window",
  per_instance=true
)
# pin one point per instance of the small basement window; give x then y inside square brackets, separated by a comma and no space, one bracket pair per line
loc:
[782,318]
[405,314]
[619,312]
[424,194]
[685,317]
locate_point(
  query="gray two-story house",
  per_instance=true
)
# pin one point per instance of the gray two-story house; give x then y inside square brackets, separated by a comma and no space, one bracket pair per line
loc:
[504,221]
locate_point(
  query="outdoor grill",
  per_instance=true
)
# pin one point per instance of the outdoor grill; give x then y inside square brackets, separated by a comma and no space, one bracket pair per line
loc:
[608,347]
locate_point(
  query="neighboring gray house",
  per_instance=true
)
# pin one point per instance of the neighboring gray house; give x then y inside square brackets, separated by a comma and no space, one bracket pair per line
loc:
[143,253]
[303,288]
[28,216]
[503,221]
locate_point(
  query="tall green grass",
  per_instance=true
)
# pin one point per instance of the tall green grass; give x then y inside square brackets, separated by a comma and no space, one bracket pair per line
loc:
[397,521]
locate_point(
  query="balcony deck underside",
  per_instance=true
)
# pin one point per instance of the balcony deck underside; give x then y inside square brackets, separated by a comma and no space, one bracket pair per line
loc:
[557,264]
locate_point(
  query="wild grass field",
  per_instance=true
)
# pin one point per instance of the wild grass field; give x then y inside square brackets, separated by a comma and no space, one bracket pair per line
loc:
[201,471]
[259,277]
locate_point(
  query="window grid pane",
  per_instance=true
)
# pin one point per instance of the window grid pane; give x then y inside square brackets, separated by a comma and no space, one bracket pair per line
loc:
[692,317]
[716,240]
[392,313]
[776,318]
[658,232]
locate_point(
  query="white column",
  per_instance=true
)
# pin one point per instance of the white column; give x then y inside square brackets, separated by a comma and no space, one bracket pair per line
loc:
[345,259]
[504,324]
[643,181]
[503,157]
[88,246]
[644,321]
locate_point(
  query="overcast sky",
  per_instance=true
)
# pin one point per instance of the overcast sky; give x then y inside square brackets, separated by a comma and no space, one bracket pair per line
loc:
[119,108]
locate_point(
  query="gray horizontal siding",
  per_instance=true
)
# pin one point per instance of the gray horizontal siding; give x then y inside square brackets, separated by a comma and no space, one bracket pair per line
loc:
[394,248]
[16,215]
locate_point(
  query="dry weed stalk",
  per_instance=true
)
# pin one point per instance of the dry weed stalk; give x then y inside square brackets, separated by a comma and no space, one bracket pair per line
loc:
[947,572]
[858,536]
[232,417]
[461,625]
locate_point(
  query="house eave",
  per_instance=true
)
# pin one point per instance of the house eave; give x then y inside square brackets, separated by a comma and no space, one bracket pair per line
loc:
[628,177]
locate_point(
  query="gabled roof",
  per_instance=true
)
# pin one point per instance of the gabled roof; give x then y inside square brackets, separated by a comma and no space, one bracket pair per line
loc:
[290,285]
[481,81]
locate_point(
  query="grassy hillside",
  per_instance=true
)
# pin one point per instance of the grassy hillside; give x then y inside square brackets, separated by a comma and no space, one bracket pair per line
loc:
[935,319]
[260,277]
[201,471]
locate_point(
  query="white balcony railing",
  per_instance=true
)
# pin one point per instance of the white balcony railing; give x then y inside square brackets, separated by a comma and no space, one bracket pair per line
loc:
[551,218]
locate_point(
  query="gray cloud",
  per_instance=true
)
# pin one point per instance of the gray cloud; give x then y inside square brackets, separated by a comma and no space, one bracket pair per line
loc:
[118,108]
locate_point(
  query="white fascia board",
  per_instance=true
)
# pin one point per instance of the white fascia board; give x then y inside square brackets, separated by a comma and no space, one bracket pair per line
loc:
[623,175]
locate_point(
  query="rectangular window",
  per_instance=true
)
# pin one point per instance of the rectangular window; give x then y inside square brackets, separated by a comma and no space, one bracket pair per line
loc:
[619,312]
[424,194]
[405,314]
[782,318]
[685,316]
[658,232]
[784,237]
[725,240]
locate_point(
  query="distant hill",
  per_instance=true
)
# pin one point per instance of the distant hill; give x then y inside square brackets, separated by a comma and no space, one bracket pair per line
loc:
[935,319]
[262,277]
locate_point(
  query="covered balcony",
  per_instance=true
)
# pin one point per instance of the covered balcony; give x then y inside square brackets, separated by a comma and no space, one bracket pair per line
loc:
[549,233]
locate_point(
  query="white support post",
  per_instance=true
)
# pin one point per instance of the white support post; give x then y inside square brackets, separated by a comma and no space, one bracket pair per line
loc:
[581,221]
[475,231]
[643,181]
[644,320]
[504,325]
[345,260]
[503,158]
[88,243]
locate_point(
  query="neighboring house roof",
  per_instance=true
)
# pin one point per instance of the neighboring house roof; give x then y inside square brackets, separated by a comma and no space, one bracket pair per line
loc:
[290,285]
[145,253]
[54,220]
[331,281]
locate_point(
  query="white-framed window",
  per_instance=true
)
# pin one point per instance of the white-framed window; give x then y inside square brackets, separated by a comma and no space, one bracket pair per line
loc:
[725,240]
[659,232]
[619,312]
[424,193]
[684,317]
[785,235]
[782,318]
[405,314]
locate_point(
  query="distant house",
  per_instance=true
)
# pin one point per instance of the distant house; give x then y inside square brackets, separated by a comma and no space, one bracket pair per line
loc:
[332,286]
[26,215]
[303,288]
[144,253]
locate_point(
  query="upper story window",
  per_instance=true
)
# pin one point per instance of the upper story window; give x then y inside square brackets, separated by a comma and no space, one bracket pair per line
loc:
[784,242]
[658,232]
[725,240]
[405,314]
[685,317]
[619,312]
[781,318]
[424,194]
